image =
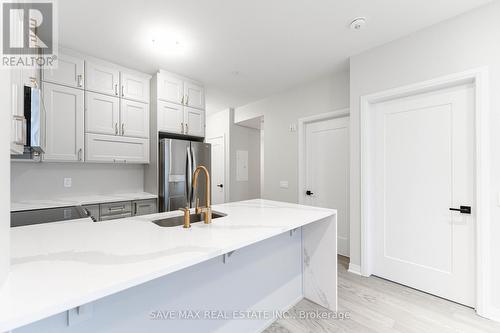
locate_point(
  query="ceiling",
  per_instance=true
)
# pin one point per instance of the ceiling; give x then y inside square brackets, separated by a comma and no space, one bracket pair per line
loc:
[242,50]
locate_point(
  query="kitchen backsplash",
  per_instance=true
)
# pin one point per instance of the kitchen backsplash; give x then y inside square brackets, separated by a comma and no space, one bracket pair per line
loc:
[35,181]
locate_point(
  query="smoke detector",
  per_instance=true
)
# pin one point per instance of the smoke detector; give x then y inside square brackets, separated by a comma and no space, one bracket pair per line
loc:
[358,23]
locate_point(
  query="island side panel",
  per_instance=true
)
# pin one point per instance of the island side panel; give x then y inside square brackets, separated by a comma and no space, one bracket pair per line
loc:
[319,246]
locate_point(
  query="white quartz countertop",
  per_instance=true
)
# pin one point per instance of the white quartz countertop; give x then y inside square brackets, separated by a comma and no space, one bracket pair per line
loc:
[59,266]
[78,200]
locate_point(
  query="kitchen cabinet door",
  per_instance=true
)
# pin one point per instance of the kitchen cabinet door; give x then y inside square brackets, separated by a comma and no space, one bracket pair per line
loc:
[134,119]
[144,207]
[64,119]
[102,114]
[170,117]
[116,149]
[170,88]
[194,120]
[69,72]
[135,87]
[102,79]
[194,95]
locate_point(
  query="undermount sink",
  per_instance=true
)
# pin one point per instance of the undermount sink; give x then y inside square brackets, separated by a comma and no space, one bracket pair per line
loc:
[175,221]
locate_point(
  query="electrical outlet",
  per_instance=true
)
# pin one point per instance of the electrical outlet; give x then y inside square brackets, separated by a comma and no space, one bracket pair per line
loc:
[68,182]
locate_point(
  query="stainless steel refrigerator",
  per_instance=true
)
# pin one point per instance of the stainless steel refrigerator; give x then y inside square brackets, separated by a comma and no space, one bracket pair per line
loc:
[178,160]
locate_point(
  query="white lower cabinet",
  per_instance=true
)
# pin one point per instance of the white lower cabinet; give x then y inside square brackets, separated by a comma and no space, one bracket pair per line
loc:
[117,149]
[134,119]
[64,119]
[194,122]
[102,114]
[170,117]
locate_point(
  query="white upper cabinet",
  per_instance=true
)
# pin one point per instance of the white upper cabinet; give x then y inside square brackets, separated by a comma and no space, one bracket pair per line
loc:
[170,117]
[102,114]
[116,149]
[194,120]
[102,79]
[170,88]
[135,87]
[69,72]
[194,95]
[64,120]
[134,119]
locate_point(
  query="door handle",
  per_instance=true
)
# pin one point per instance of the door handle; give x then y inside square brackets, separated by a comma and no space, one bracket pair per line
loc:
[220,185]
[463,209]
[309,192]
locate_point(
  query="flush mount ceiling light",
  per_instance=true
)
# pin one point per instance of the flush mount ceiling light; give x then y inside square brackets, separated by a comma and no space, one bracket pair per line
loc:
[358,23]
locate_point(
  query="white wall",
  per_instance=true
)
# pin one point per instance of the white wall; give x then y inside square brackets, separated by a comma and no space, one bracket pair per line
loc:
[45,180]
[468,41]
[237,138]
[280,145]
[5,113]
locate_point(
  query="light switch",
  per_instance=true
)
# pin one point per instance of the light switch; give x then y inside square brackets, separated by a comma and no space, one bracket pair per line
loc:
[67,182]
[283,183]
[292,127]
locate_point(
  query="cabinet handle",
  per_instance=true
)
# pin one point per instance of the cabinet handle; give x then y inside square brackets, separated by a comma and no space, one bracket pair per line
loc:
[182,128]
[123,128]
[182,100]
[116,89]
[79,80]
[80,154]
[187,100]
[187,128]
[123,89]
[116,128]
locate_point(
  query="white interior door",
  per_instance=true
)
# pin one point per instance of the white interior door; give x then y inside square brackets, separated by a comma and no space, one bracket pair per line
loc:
[327,172]
[218,169]
[423,148]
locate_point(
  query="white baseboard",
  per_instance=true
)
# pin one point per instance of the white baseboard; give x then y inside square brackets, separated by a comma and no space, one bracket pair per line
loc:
[492,313]
[354,269]
[272,320]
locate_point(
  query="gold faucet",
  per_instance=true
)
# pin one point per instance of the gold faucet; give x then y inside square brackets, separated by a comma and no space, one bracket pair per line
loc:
[208,209]
[187,217]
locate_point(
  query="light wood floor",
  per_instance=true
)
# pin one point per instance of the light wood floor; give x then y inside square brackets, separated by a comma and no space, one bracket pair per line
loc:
[377,305]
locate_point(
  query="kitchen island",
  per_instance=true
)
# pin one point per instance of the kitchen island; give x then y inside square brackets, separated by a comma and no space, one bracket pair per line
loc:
[131,275]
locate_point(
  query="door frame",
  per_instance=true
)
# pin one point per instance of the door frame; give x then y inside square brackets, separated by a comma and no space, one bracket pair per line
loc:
[302,123]
[479,78]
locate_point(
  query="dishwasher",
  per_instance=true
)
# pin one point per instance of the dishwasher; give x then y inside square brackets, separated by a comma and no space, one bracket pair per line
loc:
[48,215]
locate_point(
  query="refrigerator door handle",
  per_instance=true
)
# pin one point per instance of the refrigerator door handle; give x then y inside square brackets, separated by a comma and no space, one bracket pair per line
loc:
[194,164]
[189,175]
